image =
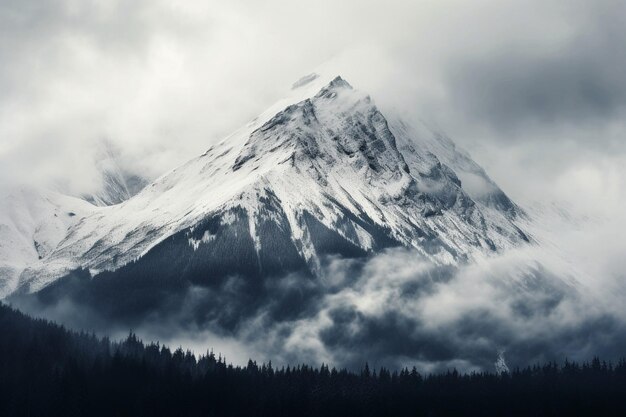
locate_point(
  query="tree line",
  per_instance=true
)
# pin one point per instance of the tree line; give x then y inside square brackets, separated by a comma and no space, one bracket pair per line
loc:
[47,370]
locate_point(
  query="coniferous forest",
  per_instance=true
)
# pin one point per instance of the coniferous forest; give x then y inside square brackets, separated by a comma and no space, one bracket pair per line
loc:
[46,370]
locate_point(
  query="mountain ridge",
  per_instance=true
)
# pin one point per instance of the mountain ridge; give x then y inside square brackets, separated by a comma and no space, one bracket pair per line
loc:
[323,172]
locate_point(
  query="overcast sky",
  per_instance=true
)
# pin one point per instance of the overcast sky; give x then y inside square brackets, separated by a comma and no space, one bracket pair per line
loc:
[535,90]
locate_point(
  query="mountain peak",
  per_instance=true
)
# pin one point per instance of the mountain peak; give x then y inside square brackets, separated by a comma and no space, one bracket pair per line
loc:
[322,133]
[307,80]
[339,82]
[336,86]
[321,173]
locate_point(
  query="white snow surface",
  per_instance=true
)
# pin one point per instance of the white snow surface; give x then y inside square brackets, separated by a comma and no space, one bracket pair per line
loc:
[32,223]
[326,149]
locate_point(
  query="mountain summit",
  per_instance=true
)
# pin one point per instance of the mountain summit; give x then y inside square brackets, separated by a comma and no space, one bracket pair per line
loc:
[321,173]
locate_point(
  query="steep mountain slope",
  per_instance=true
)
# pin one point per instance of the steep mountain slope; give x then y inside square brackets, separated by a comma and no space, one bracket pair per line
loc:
[418,143]
[320,173]
[33,220]
[32,223]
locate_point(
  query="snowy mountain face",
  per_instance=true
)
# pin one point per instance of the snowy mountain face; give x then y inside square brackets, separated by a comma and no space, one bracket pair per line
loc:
[418,141]
[32,223]
[323,172]
[34,220]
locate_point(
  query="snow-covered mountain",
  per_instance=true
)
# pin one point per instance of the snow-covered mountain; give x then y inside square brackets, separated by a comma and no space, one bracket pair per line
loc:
[322,172]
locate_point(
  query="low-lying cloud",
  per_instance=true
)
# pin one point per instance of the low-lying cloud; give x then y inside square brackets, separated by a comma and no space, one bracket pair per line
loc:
[394,309]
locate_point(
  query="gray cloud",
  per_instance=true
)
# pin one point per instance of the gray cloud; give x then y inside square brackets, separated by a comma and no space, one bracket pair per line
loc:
[575,80]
